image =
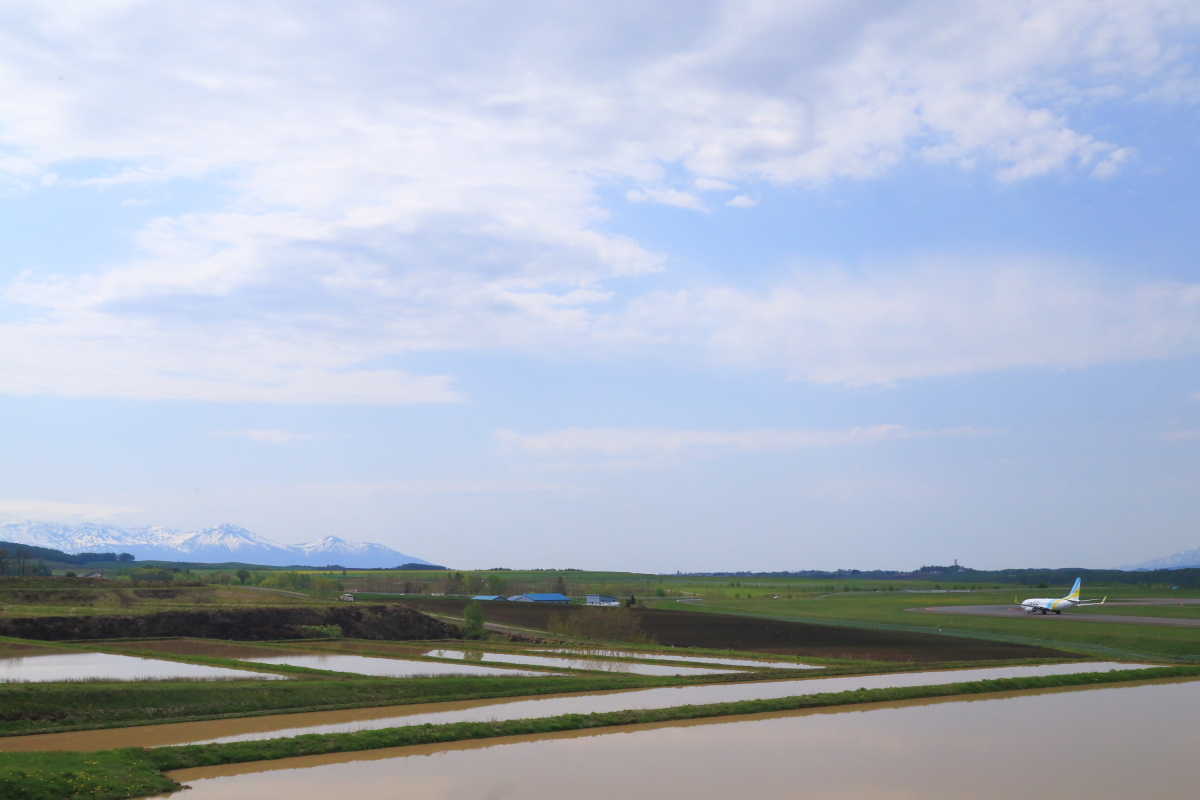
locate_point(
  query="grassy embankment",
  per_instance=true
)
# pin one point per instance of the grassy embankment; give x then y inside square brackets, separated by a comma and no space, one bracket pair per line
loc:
[132,772]
[60,599]
[107,775]
[29,708]
[887,611]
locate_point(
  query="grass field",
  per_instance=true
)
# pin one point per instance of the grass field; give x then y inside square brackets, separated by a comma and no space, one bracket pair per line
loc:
[887,611]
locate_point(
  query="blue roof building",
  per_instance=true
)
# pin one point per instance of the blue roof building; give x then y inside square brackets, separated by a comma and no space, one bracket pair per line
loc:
[489,597]
[552,597]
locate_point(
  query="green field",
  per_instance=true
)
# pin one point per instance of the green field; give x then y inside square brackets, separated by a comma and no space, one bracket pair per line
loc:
[887,611]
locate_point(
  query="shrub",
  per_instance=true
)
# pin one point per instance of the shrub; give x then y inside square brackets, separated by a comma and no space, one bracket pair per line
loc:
[473,619]
[600,624]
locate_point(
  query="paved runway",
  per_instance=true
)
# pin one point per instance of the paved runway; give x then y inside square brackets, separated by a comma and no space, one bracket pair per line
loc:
[1015,611]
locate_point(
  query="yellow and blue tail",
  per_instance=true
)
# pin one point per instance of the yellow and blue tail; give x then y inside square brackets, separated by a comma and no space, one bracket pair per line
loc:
[1074,595]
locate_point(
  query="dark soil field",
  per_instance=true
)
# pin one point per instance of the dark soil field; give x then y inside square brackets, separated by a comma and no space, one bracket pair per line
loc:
[756,635]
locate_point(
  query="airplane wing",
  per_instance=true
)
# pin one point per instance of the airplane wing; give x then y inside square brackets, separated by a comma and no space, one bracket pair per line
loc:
[1093,602]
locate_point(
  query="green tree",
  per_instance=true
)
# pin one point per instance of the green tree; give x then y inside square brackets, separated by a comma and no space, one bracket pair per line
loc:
[473,621]
[560,585]
[242,575]
[497,584]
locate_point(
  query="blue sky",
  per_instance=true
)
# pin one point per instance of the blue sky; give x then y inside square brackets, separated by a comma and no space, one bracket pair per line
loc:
[647,286]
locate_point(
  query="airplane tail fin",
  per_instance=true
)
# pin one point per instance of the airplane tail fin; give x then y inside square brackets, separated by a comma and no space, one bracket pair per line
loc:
[1074,595]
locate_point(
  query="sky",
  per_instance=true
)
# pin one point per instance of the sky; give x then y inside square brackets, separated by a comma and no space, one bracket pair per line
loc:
[650,286]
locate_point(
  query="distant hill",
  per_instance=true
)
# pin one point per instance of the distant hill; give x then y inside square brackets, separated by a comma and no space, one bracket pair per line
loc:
[222,543]
[1187,558]
[52,556]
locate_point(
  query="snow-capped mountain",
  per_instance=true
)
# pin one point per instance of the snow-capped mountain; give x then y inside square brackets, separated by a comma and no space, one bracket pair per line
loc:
[222,543]
[1188,558]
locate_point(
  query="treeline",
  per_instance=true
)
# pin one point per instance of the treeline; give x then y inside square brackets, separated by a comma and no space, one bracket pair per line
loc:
[313,583]
[1188,578]
[27,559]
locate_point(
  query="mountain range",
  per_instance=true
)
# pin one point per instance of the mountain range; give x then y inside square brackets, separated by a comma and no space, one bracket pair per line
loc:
[1187,558]
[225,542]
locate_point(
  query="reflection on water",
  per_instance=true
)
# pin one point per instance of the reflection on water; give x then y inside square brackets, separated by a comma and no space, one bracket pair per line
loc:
[270,727]
[384,667]
[1095,744]
[34,663]
[733,662]
[204,647]
[574,663]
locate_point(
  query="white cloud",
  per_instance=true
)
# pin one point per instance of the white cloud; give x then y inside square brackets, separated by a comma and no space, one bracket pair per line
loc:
[407,178]
[741,201]
[22,510]
[624,441]
[667,197]
[268,436]
[712,185]
[942,317]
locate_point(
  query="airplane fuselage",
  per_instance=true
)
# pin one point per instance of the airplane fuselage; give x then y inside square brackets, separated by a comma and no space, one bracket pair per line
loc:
[1047,605]
[1057,605]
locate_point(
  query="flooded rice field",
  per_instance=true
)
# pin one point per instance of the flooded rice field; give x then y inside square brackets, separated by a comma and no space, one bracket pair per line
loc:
[383,667]
[209,648]
[1094,744]
[247,652]
[279,725]
[732,662]
[314,658]
[575,663]
[40,664]
[551,657]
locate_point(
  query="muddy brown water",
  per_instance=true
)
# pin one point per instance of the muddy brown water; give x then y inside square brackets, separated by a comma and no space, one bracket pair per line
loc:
[1109,743]
[38,664]
[280,725]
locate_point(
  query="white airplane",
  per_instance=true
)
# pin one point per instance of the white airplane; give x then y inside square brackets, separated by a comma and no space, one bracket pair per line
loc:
[1045,604]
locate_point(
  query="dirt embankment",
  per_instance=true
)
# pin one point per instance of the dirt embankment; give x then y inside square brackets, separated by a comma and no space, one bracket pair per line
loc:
[390,622]
[758,635]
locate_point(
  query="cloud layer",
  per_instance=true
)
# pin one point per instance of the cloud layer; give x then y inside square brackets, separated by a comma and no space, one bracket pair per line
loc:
[407,178]
[626,441]
[21,510]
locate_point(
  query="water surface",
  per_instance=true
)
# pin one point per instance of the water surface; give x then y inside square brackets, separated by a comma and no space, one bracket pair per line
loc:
[38,664]
[210,648]
[384,667]
[575,663]
[1093,744]
[733,662]
[279,725]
